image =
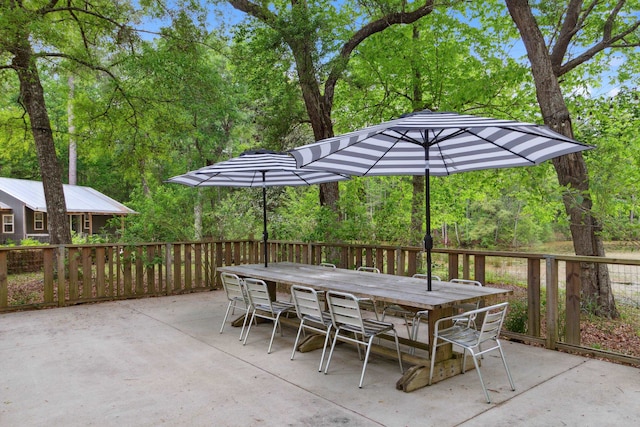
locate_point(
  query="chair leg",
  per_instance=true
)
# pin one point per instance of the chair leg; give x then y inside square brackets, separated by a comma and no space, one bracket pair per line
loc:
[333,346]
[295,344]
[244,323]
[484,388]
[506,368]
[324,348]
[398,350]
[253,315]
[276,323]
[434,346]
[226,314]
[366,359]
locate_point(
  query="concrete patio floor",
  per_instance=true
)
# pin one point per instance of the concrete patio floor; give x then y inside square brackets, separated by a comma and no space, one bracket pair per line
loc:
[161,361]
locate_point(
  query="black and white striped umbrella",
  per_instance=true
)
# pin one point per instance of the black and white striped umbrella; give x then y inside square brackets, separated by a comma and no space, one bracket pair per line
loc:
[256,168]
[431,143]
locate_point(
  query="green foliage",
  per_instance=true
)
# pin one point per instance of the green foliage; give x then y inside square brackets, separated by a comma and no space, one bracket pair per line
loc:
[164,215]
[30,242]
[190,98]
[517,316]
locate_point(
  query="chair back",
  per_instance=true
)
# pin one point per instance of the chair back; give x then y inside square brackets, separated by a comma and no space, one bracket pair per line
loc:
[327,264]
[493,319]
[258,293]
[466,282]
[306,301]
[368,269]
[232,285]
[345,310]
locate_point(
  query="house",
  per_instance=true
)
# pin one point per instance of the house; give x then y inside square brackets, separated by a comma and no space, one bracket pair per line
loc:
[23,210]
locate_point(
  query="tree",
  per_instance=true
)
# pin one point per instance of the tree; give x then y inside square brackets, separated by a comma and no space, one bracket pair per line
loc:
[321,42]
[36,31]
[16,44]
[590,29]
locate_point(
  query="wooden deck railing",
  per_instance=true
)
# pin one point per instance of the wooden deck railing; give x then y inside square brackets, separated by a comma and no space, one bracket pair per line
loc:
[30,276]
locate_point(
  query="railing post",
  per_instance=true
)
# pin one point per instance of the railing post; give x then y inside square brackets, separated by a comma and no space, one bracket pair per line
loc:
[479,268]
[168,261]
[453,266]
[61,276]
[48,257]
[4,283]
[572,317]
[552,301]
[533,296]
[465,267]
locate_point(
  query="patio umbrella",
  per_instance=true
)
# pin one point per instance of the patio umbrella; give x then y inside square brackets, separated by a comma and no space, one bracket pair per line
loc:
[432,143]
[256,168]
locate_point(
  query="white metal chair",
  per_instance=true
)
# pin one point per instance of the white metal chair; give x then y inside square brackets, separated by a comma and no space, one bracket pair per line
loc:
[350,326]
[311,314]
[470,305]
[367,303]
[233,287]
[263,307]
[424,314]
[410,317]
[472,339]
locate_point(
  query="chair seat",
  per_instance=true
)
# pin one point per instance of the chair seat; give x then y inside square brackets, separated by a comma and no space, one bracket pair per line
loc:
[276,306]
[324,320]
[371,327]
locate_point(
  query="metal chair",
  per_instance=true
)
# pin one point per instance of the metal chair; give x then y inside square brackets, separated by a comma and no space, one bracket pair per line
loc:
[350,326]
[470,305]
[233,287]
[263,307]
[367,303]
[309,310]
[424,314]
[472,339]
[410,317]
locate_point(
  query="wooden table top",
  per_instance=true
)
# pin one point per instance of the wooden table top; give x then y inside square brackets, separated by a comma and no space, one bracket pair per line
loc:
[406,291]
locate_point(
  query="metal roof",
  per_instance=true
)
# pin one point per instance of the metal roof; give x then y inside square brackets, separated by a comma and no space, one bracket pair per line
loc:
[78,199]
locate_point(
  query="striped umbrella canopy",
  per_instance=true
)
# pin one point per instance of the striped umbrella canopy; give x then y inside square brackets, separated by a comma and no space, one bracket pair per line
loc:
[257,168]
[435,143]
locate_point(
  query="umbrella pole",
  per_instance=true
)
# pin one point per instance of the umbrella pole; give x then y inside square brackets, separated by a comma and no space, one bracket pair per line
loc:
[265,235]
[428,240]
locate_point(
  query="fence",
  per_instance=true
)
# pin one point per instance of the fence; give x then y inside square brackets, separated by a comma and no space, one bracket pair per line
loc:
[30,276]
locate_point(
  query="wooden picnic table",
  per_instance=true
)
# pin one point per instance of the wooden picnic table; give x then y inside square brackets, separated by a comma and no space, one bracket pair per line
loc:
[387,289]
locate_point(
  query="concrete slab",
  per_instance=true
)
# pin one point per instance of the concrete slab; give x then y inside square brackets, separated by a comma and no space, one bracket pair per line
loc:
[162,361]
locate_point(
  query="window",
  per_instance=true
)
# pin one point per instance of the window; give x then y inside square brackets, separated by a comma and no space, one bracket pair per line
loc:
[87,222]
[7,224]
[38,220]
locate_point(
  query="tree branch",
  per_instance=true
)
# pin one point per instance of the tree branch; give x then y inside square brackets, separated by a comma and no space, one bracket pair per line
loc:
[606,42]
[250,8]
[571,25]
[366,31]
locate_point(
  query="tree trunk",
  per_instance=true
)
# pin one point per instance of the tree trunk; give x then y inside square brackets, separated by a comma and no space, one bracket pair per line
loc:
[570,169]
[197,215]
[32,96]
[417,209]
[73,152]
[417,200]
